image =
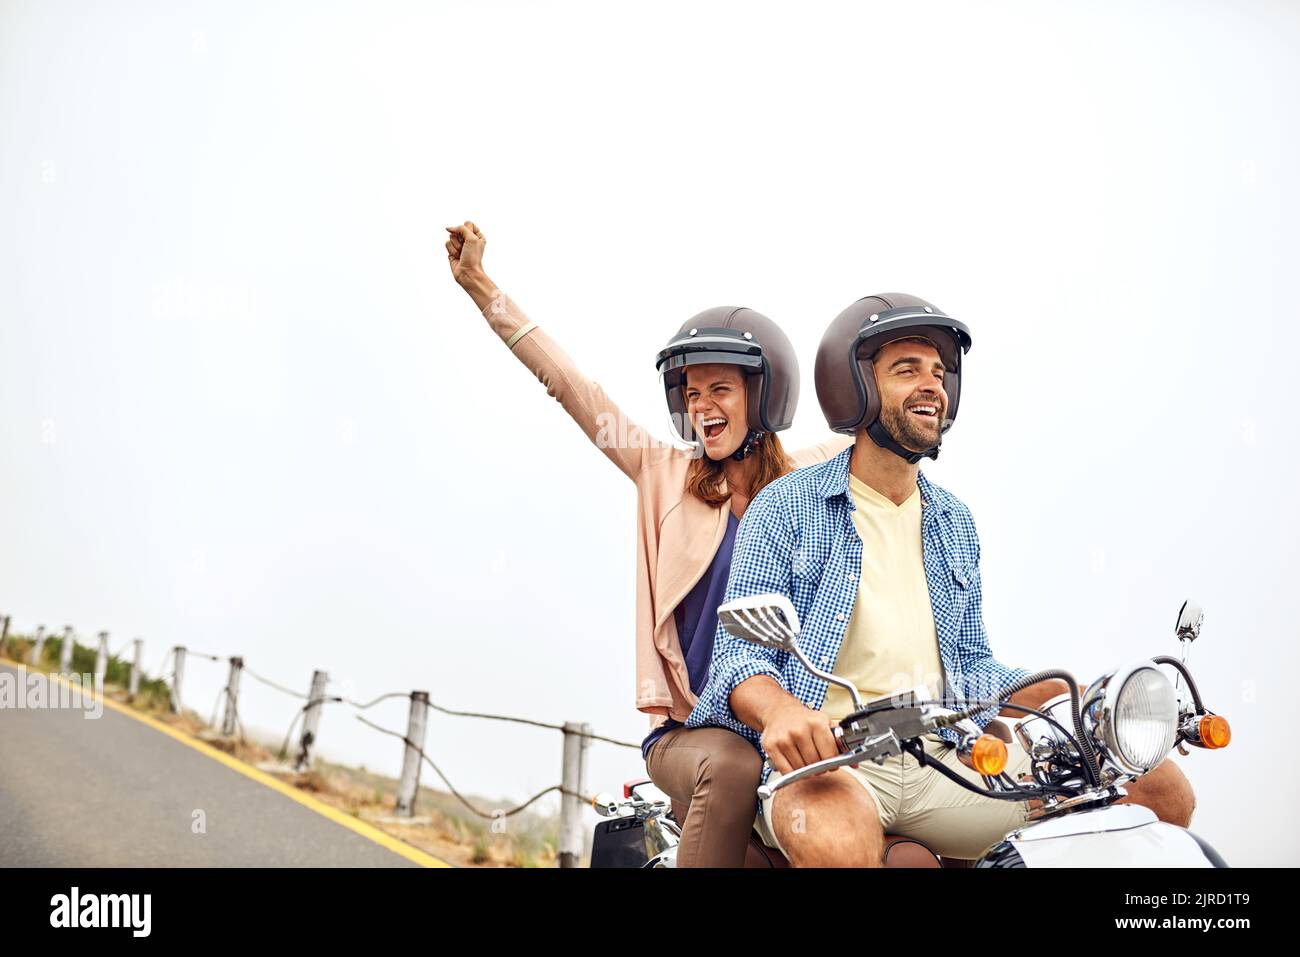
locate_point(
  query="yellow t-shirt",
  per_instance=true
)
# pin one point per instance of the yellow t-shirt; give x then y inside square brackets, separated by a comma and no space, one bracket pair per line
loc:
[891,644]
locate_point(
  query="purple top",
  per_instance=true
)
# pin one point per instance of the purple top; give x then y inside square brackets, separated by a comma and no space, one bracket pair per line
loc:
[697,623]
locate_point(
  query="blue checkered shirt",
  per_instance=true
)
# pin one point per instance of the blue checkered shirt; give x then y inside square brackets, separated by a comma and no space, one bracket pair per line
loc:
[797,538]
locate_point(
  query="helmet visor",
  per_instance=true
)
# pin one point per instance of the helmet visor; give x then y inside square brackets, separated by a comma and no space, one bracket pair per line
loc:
[948,340]
[710,345]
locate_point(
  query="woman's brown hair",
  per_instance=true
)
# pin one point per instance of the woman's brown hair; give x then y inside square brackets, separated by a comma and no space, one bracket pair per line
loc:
[704,478]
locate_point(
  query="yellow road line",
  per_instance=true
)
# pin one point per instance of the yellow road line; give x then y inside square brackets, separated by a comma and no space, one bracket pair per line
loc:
[369,831]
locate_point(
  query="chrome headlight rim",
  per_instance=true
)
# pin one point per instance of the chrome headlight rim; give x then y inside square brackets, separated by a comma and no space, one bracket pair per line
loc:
[1107,692]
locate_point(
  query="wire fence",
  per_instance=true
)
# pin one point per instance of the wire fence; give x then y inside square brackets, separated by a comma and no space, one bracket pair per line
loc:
[306,720]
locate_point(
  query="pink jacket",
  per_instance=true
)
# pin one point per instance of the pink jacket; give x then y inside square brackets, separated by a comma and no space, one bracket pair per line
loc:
[677,535]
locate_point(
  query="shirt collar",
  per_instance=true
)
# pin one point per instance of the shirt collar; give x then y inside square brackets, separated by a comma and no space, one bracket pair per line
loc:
[835,481]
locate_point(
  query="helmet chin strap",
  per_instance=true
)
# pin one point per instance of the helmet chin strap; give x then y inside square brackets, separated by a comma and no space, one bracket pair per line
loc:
[752,441]
[880,435]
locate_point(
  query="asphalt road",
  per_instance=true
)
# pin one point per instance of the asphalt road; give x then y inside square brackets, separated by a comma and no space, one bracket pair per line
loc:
[113,792]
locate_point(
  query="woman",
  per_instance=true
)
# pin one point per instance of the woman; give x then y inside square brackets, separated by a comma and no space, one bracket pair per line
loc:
[730,378]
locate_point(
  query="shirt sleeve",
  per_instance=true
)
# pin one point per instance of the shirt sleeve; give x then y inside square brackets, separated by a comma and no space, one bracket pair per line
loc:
[983,675]
[760,563]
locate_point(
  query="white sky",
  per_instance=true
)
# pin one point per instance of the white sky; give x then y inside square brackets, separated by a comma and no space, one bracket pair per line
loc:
[244,407]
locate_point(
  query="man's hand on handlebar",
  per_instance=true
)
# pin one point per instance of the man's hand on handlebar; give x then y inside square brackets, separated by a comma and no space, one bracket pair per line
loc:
[795,735]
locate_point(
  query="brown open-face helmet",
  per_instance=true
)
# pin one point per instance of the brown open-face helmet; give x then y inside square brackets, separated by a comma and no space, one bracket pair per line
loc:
[845,378]
[741,337]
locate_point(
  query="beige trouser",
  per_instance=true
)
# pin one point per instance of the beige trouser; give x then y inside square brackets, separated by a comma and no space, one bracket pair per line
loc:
[921,803]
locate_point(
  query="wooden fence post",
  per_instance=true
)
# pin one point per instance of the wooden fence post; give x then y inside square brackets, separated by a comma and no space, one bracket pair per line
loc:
[232,696]
[574,781]
[101,660]
[311,720]
[178,673]
[135,667]
[408,786]
[65,652]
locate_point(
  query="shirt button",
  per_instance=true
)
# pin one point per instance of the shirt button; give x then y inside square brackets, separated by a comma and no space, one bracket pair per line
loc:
[840,616]
[824,659]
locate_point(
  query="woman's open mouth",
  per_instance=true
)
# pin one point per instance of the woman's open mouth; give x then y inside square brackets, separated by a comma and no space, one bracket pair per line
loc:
[713,427]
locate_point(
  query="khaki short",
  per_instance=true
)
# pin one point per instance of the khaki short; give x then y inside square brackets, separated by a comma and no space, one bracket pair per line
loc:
[921,803]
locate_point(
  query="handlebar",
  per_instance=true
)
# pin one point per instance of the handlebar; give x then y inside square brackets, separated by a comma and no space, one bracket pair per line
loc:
[607,806]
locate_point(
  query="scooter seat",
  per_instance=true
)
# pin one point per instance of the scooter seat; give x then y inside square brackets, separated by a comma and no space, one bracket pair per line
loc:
[900,851]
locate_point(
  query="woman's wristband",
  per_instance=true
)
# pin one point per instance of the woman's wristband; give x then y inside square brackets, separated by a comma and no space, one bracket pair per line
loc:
[496,303]
[522,331]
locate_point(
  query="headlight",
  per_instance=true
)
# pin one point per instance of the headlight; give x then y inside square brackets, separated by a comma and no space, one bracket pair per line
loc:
[1139,717]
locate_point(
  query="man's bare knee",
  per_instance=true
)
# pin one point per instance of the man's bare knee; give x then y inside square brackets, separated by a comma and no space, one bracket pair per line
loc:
[829,820]
[1166,791]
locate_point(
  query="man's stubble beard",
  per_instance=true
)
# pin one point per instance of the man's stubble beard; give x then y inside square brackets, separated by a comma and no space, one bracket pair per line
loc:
[906,431]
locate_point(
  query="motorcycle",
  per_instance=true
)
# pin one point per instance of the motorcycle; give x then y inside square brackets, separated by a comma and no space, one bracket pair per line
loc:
[1083,748]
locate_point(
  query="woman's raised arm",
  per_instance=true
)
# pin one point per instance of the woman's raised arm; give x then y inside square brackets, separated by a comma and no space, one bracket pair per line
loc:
[625,443]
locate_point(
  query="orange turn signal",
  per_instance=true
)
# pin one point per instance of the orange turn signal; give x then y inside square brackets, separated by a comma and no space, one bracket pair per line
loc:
[1214,731]
[989,755]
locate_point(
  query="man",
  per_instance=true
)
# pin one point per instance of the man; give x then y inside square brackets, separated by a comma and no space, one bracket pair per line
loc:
[882,567]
